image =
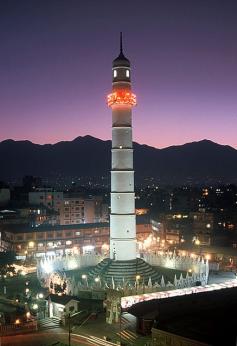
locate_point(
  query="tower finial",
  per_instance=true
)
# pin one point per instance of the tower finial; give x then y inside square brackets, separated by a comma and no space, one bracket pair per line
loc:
[121,42]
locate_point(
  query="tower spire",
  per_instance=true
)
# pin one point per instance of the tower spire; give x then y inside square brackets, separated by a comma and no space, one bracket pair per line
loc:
[121,42]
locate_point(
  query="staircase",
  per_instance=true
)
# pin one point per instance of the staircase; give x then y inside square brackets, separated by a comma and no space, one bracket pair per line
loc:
[124,271]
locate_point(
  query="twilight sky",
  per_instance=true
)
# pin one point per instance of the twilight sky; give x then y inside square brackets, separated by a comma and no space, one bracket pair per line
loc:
[55,68]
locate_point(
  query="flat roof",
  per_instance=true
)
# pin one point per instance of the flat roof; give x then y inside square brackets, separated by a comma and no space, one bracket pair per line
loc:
[48,228]
[205,317]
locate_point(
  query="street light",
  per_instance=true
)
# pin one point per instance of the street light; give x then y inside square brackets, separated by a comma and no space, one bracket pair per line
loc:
[84,277]
[138,277]
[97,280]
[197,242]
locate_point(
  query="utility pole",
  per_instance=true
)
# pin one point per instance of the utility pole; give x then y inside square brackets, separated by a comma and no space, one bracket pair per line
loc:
[69,329]
[120,323]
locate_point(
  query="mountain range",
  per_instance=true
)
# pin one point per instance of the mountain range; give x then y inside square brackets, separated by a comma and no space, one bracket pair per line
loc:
[196,162]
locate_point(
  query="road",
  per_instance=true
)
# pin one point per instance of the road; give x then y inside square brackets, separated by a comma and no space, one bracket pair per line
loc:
[48,338]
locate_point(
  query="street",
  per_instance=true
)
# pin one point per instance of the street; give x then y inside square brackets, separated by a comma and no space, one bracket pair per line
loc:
[51,337]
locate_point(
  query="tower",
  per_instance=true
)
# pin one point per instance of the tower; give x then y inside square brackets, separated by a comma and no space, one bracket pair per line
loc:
[122,215]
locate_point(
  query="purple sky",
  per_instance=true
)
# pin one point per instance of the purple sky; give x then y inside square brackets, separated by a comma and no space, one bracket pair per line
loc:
[55,69]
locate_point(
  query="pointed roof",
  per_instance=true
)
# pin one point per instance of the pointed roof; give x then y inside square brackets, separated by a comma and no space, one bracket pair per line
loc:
[121,60]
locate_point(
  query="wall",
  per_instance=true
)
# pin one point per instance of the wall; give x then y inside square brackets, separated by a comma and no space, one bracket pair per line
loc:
[162,338]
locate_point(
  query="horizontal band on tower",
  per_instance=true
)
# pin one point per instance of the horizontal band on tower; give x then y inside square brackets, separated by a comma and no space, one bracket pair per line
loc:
[123,214]
[121,148]
[121,192]
[122,127]
[124,239]
[122,170]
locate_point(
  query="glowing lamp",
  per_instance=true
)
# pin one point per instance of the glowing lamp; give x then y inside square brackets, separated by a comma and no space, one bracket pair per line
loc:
[122,97]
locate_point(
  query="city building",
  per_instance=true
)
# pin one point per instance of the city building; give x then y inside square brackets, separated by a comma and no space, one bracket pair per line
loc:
[59,239]
[5,196]
[46,197]
[201,319]
[77,209]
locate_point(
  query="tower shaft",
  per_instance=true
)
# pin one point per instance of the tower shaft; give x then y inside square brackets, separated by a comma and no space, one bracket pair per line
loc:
[122,216]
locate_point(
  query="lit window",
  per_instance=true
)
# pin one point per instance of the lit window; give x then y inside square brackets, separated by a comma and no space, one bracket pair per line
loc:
[115,73]
[68,242]
[127,73]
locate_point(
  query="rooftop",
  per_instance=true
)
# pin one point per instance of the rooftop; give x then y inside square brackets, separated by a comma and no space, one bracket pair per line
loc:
[204,317]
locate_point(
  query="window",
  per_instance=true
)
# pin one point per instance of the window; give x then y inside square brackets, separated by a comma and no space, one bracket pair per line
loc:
[127,73]
[115,73]
[78,233]
[68,242]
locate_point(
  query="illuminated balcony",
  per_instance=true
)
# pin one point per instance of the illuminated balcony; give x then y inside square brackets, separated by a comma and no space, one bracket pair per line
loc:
[121,98]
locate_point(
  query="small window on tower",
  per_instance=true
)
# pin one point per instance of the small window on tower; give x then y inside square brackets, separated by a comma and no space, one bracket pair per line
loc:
[115,73]
[127,73]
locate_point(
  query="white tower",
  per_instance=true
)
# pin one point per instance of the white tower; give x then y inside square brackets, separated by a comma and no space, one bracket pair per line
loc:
[122,217]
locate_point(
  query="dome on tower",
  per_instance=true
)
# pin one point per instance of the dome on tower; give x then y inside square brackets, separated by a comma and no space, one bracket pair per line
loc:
[121,60]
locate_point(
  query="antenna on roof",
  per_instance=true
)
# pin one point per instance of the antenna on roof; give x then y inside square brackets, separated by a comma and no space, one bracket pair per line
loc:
[121,42]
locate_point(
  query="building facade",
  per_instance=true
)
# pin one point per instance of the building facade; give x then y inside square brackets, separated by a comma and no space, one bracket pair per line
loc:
[49,240]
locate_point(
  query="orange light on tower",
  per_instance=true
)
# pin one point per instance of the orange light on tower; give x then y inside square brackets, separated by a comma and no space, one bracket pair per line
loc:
[122,98]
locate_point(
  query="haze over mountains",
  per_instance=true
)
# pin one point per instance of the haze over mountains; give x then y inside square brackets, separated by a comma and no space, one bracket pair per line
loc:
[196,162]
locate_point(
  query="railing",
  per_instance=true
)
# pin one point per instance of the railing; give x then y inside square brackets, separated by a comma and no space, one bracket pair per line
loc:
[13,329]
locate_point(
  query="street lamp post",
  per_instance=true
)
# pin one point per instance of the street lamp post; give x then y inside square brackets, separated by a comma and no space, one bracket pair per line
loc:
[97,280]
[138,277]
[69,329]
[198,243]
[84,277]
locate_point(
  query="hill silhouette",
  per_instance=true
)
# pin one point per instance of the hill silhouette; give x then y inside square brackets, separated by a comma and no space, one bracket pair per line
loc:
[196,162]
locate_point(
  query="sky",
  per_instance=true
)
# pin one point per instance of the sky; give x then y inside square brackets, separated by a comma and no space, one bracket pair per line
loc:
[56,59]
